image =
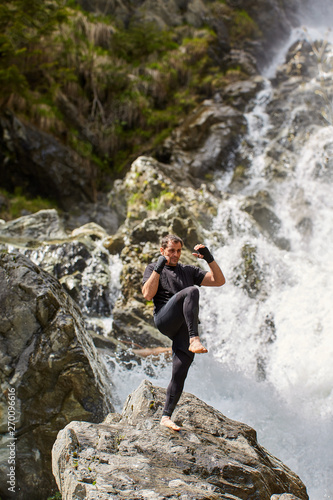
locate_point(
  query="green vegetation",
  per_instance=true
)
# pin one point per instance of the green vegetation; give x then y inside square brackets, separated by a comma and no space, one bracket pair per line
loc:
[56,496]
[243,26]
[108,91]
[12,205]
[163,202]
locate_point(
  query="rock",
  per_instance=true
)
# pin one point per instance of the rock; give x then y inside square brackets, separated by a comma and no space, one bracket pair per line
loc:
[50,362]
[249,275]
[114,244]
[132,456]
[98,213]
[299,87]
[80,260]
[162,13]
[44,225]
[91,229]
[242,92]
[201,144]
[133,325]
[261,209]
[284,496]
[41,165]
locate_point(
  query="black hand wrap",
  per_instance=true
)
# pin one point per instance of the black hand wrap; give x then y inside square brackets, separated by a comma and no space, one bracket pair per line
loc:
[206,254]
[160,264]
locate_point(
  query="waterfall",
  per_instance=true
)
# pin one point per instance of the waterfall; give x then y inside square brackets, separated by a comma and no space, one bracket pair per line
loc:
[273,354]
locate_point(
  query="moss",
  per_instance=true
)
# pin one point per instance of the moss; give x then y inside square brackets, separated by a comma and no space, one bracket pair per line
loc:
[239,173]
[243,27]
[162,202]
[56,496]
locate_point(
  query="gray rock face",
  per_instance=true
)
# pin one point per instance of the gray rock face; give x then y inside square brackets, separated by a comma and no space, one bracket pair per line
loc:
[132,456]
[203,141]
[50,363]
[41,165]
[43,225]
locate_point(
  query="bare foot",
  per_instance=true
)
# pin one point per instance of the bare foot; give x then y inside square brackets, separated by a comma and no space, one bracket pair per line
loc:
[196,346]
[167,422]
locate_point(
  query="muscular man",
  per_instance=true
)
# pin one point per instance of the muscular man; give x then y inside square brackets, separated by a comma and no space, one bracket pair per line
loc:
[172,287]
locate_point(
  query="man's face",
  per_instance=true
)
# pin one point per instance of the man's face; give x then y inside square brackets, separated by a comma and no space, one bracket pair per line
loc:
[172,252]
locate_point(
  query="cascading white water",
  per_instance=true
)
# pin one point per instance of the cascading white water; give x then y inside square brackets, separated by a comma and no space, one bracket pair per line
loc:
[292,409]
[270,359]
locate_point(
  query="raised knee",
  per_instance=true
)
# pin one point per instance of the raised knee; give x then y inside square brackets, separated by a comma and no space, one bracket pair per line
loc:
[193,291]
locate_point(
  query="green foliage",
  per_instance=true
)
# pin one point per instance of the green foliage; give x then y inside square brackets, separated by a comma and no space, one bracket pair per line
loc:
[56,496]
[243,26]
[107,91]
[16,204]
[24,25]
[138,42]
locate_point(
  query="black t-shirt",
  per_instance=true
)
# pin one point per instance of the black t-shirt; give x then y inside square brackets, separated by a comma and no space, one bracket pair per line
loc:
[173,279]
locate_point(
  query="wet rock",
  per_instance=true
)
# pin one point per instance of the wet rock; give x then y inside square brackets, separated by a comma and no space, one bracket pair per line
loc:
[261,209]
[300,103]
[132,455]
[133,325]
[249,275]
[242,92]
[50,361]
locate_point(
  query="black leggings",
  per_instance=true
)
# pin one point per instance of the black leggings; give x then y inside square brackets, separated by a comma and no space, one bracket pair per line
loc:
[181,362]
[180,313]
[178,320]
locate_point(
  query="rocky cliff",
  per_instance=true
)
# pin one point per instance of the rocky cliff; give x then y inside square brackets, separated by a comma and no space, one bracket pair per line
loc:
[131,456]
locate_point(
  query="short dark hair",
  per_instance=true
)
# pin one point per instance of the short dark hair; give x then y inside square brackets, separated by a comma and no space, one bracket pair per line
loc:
[171,237]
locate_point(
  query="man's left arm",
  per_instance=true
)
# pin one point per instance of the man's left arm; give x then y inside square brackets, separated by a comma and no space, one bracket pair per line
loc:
[215,276]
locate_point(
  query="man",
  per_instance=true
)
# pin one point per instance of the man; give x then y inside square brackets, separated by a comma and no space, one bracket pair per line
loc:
[172,287]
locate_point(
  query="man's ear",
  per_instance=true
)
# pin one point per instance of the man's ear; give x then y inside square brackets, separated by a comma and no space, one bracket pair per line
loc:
[162,250]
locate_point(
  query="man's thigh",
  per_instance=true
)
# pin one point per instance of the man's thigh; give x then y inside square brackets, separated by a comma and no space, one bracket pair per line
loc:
[171,317]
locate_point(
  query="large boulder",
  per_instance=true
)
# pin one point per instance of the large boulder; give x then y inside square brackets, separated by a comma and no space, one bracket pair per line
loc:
[51,366]
[44,225]
[132,456]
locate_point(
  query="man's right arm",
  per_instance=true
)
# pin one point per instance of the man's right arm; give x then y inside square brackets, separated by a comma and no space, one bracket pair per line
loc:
[150,287]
